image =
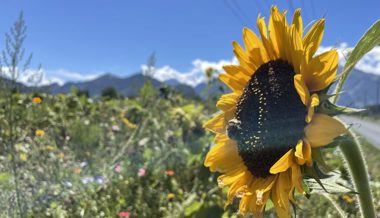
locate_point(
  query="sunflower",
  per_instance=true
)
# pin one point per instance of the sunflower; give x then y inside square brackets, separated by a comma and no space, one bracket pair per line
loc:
[268,127]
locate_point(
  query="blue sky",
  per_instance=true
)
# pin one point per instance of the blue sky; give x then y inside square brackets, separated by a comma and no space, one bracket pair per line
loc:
[93,36]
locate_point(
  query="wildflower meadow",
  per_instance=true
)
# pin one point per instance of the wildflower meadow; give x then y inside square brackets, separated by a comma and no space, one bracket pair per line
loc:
[265,137]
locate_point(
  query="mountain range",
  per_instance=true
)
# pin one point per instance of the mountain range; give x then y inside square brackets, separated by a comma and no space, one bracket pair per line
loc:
[361,89]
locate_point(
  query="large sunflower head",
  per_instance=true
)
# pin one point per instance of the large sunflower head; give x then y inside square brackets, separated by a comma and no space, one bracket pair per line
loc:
[268,129]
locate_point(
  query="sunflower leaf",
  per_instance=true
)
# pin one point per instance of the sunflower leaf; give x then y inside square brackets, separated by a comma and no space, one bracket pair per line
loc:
[368,41]
[332,109]
[332,185]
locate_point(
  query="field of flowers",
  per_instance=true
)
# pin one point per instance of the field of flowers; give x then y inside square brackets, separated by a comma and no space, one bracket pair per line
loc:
[74,156]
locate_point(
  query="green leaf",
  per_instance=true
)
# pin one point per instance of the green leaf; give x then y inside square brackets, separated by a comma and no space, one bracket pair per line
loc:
[368,41]
[6,181]
[332,109]
[192,204]
[332,185]
[147,155]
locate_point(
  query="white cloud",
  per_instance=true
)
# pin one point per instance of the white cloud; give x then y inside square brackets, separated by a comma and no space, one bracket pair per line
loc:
[40,77]
[194,76]
[61,76]
[370,63]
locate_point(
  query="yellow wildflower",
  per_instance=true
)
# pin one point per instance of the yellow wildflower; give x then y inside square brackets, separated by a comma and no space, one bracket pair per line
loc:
[171,196]
[23,157]
[40,133]
[36,100]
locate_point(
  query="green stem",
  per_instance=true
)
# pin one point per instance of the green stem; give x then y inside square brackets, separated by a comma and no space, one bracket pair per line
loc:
[13,152]
[357,166]
[358,171]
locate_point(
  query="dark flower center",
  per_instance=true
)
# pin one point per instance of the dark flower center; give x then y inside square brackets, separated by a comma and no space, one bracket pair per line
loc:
[269,119]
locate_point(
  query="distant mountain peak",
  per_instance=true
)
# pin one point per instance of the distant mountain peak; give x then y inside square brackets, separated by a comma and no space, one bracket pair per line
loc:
[107,76]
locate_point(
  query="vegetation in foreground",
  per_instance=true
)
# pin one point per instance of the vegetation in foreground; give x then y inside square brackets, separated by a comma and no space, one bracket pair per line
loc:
[74,156]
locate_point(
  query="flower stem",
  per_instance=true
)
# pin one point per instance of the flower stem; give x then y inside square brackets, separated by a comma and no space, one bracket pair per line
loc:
[358,171]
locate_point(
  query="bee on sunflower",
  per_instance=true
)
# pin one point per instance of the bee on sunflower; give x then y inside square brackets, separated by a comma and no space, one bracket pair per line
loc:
[270,123]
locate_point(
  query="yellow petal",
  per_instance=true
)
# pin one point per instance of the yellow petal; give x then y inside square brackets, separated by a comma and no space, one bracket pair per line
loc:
[280,195]
[321,70]
[310,114]
[259,190]
[216,124]
[253,203]
[303,152]
[240,75]
[323,129]
[255,47]
[285,186]
[247,205]
[281,211]
[219,123]
[313,38]
[302,89]
[275,29]
[264,185]
[314,101]
[307,154]
[228,115]
[297,178]
[299,153]
[264,38]
[224,157]
[286,51]
[297,52]
[233,69]
[286,161]
[242,57]
[240,187]
[278,34]
[234,84]
[297,21]
[227,101]
[228,179]
[262,27]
